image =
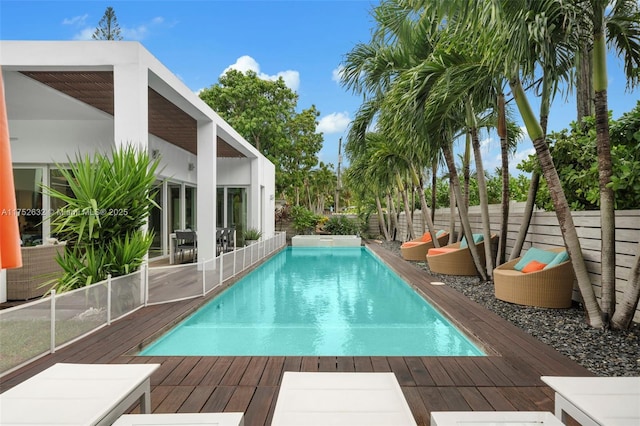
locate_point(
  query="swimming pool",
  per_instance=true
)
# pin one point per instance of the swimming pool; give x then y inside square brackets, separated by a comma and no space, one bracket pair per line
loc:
[317,301]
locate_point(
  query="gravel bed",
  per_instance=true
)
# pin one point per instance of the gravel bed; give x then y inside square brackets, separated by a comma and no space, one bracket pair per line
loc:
[604,352]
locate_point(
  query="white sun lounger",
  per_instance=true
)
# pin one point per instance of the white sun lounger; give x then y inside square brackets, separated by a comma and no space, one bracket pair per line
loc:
[597,401]
[494,418]
[353,399]
[78,394]
[182,419]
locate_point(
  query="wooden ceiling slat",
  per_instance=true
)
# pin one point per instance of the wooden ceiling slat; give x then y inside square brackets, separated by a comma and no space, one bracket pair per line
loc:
[166,120]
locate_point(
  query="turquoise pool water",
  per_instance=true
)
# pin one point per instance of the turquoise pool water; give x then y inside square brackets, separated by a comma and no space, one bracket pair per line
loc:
[317,301]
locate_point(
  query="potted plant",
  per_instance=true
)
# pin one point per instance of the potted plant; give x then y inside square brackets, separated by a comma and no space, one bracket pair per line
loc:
[251,235]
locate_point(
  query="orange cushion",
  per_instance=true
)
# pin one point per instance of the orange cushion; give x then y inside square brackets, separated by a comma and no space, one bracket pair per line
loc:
[441,250]
[533,266]
[411,244]
[426,237]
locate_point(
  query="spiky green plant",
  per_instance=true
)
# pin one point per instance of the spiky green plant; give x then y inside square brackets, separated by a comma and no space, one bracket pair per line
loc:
[102,221]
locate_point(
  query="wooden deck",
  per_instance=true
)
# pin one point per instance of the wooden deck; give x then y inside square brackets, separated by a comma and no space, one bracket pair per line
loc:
[508,379]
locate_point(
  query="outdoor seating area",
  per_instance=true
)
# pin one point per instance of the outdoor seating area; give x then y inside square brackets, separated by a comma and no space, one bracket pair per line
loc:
[548,285]
[39,266]
[225,240]
[455,259]
[417,249]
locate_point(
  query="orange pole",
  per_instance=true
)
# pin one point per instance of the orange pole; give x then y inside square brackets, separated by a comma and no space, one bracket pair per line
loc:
[10,255]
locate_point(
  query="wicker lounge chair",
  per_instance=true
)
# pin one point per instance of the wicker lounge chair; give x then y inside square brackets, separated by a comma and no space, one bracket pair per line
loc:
[455,260]
[39,266]
[548,288]
[417,249]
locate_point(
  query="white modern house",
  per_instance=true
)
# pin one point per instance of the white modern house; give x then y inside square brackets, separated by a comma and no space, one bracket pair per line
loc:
[70,97]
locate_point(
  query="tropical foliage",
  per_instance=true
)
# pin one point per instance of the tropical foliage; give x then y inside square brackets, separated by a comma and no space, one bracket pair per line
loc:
[434,70]
[574,155]
[264,113]
[341,225]
[102,222]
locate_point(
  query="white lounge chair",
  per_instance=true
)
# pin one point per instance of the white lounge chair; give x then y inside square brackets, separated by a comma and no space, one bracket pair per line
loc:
[78,394]
[493,418]
[337,399]
[185,419]
[597,401]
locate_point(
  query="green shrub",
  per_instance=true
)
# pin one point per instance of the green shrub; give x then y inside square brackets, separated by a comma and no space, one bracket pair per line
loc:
[102,222]
[341,225]
[304,220]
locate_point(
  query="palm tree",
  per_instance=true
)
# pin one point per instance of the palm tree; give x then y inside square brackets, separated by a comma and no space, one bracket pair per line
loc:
[623,27]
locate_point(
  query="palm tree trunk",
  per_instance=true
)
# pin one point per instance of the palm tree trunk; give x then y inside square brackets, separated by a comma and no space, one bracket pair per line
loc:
[382,224]
[504,150]
[563,212]
[407,208]
[605,171]
[462,211]
[393,216]
[482,190]
[627,308]
[545,104]
[452,215]
[527,215]
[584,83]
[426,214]
[466,171]
[434,189]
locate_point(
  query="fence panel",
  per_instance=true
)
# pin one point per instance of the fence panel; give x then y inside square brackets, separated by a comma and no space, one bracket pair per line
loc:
[127,294]
[80,311]
[25,333]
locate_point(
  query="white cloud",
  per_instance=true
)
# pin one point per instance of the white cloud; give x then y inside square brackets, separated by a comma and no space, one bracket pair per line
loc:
[336,122]
[157,20]
[138,33]
[247,63]
[336,74]
[85,34]
[485,145]
[76,20]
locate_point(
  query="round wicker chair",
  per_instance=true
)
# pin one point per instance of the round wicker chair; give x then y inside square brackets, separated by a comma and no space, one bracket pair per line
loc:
[418,250]
[457,261]
[548,288]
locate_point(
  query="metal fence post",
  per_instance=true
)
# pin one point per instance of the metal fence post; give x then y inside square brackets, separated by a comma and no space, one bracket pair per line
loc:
[221,267]
[204,278]
[109,299]
[53,320]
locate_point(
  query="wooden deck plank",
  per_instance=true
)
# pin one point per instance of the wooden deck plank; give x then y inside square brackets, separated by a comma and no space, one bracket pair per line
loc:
[363,364]
[253,372]
[273,371]
[419,371]
[218,400]
[474,398]
[199,371]
[506,379]
[236,370]
[258,409]
[174,399]
[240,399]
[196,401]
[217,371]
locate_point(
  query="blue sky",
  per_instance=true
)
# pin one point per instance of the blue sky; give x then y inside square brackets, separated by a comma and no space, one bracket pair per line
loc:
[302,41]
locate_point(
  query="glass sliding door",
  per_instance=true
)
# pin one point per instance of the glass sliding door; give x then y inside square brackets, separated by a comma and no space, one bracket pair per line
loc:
[155,222]
[29,203]
[191,203]
[237,211]
[173,211]
[231,210]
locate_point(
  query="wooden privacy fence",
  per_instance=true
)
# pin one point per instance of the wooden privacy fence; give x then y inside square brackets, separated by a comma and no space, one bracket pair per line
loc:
[544,232]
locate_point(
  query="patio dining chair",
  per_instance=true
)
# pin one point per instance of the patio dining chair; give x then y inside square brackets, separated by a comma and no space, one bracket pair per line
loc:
[187,242]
